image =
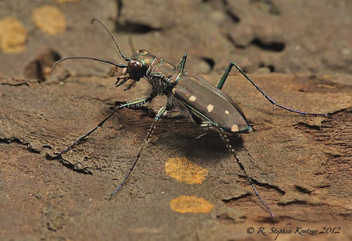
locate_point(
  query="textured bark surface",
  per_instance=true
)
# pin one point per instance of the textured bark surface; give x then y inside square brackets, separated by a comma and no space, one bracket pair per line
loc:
[300,165]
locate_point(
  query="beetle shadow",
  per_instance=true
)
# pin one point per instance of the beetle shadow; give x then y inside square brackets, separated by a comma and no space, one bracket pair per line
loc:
[178,136]
[209,147]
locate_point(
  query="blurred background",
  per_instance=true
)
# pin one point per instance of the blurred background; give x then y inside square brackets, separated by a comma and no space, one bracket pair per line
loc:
[292,36]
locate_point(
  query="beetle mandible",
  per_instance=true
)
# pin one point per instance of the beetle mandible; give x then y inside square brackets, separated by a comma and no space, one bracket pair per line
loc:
[189,93]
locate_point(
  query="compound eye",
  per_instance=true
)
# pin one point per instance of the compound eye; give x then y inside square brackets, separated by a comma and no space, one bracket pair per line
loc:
[134,65]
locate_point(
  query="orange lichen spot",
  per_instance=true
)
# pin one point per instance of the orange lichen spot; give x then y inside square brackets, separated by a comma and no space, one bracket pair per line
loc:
[49,19]
[67,1]
[191,204]
[13,35]
[185,171]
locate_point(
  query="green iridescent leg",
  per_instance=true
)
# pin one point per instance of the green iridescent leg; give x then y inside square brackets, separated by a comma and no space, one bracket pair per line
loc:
[226,74]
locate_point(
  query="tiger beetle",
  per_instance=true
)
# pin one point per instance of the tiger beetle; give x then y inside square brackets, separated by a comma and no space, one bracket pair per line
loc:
[187,92]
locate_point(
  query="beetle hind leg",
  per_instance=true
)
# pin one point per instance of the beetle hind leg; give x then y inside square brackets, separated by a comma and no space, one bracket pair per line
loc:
[226,74]
[232,150]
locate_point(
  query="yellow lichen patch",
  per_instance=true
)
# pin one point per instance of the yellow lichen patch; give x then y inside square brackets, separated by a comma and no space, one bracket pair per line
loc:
[49,19]
[13,35]
[67,1]
[191,204]
[185,171]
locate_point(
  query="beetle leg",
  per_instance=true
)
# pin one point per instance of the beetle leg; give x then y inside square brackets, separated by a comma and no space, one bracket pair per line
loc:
[226,74]
[181,65]
[230,148]
[130,104]
[157,117]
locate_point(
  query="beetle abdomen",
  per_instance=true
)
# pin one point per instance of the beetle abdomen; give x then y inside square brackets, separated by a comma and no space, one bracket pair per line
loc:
[208,102]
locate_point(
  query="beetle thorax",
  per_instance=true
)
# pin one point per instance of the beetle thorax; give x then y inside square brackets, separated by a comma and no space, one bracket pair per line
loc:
[161,74]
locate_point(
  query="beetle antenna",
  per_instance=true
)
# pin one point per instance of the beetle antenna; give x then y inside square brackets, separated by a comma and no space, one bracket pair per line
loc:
[113,38]
[230,148]
[95,59]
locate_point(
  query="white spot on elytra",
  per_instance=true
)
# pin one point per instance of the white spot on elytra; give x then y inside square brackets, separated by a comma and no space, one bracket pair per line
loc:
[234,128]
[227,112]
[174,91]
[210,108]
[192,98]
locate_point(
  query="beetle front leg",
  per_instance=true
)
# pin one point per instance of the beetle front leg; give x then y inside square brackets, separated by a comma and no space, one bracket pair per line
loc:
[130,104]
[226,74]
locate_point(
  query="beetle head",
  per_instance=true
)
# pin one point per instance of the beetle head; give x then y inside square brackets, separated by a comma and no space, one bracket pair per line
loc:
[137,67]
[139,64]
